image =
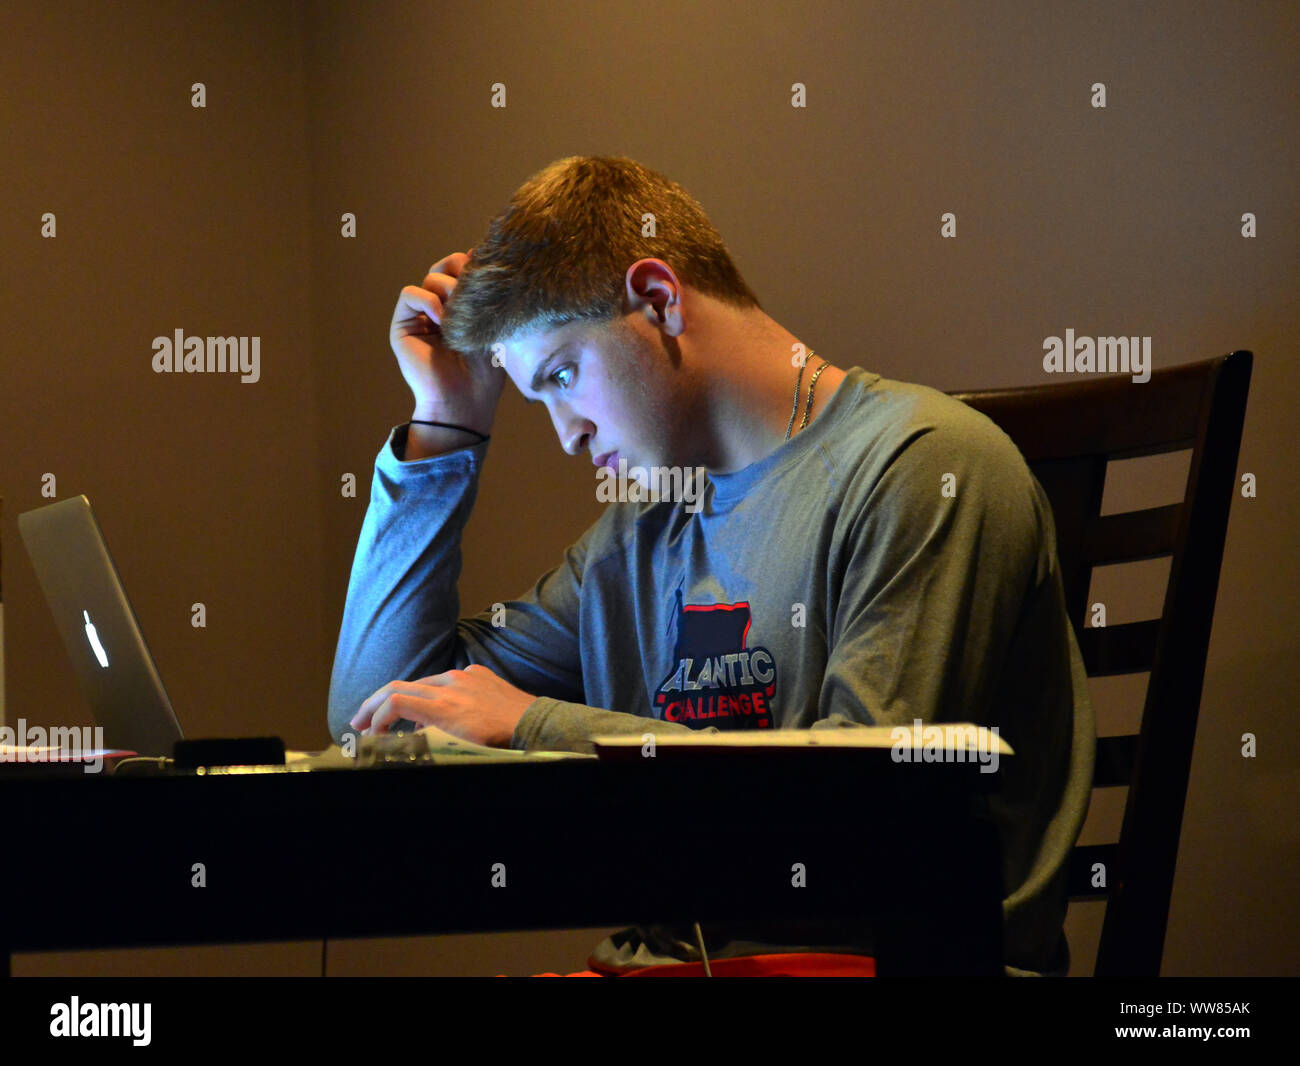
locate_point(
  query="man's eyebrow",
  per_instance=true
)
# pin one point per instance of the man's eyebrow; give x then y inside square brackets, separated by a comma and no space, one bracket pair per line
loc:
[539,375]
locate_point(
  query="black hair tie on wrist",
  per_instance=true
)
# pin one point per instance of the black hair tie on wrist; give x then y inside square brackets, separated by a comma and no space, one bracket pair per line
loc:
[449,425]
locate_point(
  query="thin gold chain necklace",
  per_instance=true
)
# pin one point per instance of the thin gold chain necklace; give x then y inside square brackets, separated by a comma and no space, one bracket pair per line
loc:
[812,384]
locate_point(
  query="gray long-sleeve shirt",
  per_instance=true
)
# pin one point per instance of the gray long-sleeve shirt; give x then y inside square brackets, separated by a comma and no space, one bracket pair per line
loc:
[893,561]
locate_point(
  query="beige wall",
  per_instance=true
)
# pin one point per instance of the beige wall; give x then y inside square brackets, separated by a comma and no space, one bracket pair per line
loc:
[225,221]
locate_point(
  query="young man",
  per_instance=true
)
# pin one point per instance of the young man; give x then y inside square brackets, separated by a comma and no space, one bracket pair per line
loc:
[863,551]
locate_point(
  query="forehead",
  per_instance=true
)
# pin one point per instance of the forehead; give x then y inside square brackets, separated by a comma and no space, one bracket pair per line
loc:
[524,352]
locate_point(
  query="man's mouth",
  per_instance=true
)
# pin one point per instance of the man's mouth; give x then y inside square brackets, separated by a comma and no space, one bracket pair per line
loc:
[609,460]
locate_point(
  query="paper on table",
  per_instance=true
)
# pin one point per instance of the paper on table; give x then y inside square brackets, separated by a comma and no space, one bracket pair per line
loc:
[949,736]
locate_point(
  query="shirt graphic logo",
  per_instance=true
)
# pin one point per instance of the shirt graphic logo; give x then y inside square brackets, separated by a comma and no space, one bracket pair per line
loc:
[715,680]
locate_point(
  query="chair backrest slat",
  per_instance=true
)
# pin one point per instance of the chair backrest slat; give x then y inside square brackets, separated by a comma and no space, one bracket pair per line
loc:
[1125,419]
[1127,648]
[1133,535]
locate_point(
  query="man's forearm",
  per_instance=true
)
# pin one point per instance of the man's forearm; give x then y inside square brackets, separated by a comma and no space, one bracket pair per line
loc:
[400,616]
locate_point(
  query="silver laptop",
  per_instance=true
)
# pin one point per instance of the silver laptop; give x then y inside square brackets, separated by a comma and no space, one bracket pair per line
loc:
[98,627]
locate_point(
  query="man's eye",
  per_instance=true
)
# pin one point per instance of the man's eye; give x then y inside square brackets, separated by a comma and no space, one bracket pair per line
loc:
[565,382]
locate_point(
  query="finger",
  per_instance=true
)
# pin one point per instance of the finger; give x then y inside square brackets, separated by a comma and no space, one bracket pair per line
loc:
[373,702]
[419,302]
[378,722]
[361,720]
[397,707]
[442,286]
[452,264]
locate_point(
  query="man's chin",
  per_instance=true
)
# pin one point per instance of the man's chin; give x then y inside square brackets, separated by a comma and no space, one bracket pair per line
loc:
[628,468]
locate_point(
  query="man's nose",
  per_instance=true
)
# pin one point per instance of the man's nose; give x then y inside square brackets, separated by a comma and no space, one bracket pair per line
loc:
[574,433]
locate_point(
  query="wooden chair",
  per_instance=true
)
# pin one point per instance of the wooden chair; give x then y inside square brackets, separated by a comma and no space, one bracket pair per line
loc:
[1067,433]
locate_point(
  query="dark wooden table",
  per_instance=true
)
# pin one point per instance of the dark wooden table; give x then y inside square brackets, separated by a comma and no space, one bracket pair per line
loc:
[109,861]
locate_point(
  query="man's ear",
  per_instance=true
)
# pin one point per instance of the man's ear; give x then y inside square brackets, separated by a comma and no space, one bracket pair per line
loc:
[649,281]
